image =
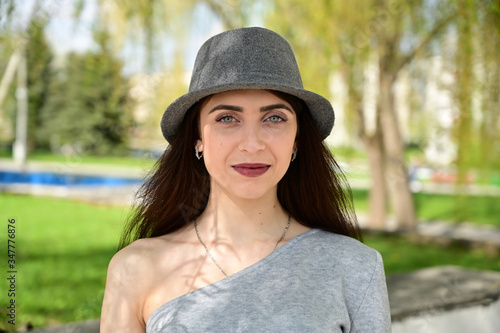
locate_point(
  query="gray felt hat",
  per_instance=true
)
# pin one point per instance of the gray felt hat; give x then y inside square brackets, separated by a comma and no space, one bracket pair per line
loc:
[246,58]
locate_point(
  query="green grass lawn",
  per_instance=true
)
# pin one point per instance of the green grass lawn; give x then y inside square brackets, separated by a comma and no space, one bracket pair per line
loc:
[401,254]
[62,252]
[431,207]
[63,248]
[141,161]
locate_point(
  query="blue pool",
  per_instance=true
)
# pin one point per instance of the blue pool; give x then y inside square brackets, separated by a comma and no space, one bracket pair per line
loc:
[47,178]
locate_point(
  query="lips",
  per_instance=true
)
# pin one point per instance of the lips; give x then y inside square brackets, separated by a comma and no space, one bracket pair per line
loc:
[251,169]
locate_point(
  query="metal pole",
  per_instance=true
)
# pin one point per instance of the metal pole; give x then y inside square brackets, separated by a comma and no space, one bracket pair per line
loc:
[20,145]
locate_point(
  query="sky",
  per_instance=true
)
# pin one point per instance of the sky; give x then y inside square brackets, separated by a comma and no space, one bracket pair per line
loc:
[68,34]
[63,31]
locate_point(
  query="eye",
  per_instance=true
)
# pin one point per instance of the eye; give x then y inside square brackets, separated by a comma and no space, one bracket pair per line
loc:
[275,119]
[226,119]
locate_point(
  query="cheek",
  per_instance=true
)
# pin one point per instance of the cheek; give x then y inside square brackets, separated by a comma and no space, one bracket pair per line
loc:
[214,143]
[286,141]
[282,152]
[215,153]
[215,163]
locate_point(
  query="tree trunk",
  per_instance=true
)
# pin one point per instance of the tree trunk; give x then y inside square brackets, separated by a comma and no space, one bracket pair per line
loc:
[396,175]
[378,193]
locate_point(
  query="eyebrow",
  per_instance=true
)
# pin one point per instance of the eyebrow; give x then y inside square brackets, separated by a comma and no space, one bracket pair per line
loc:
[240,109]
[226,107]
[275,106]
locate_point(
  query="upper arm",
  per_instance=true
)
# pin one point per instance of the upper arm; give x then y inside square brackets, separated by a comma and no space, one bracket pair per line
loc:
[373,314]
[123,296]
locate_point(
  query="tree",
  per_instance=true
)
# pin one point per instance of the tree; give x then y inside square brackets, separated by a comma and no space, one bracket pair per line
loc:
[39,59]
[19,41]
[88,110]
[477,92]
[386,36]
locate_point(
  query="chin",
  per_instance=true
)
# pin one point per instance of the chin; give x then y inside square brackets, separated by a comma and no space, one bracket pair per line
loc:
[250,189]
[253,193]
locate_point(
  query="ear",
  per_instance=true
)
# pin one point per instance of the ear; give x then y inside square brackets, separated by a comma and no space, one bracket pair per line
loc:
[199,144]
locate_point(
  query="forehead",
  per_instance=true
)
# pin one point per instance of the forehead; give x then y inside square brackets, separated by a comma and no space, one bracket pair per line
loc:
[248,97]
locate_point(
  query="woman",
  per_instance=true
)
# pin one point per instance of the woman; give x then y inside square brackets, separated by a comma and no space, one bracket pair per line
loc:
[244,225]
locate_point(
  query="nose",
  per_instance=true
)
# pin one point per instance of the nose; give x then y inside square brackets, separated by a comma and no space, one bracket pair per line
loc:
[253,139]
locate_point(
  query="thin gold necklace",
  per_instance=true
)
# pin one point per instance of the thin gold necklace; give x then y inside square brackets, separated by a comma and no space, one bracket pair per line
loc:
[215,261]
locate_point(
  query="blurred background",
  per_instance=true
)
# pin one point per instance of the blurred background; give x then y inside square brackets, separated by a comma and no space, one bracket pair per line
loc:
[415,86]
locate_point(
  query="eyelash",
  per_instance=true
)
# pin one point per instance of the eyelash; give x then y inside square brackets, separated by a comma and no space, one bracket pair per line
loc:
[280,118]
[225,116]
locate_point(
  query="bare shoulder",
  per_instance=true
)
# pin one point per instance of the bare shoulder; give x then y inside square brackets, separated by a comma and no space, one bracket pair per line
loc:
[137,256]
[123,296]
[150,254]
[132,277]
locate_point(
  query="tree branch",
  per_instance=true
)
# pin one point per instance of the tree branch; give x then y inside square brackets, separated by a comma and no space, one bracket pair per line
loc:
[346,69]
[430,36]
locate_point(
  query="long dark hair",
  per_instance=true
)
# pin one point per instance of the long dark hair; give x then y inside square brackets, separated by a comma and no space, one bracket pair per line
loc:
[314,189]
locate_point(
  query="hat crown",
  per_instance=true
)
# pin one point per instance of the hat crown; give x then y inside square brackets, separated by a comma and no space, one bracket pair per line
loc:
[245,56]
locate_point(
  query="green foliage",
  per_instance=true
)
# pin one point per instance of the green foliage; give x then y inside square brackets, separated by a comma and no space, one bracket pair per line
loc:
[88,109]
[39,59]
[477,88]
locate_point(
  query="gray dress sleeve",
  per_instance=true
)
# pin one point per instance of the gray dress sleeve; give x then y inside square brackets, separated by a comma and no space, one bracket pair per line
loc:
[373,314]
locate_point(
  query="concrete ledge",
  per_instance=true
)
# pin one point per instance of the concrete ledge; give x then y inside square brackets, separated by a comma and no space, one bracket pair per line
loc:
[73,166]
[122,195]
[89,326]
[448,298]
[471,234]
[474,319]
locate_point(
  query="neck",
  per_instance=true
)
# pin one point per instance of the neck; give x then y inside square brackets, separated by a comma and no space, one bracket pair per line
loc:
[240,221]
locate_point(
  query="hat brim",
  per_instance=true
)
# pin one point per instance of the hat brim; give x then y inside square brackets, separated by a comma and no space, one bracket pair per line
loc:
[319,107]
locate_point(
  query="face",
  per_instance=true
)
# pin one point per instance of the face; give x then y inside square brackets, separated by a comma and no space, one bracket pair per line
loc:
[247,140]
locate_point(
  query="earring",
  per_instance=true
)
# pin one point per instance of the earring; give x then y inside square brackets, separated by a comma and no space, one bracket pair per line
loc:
[294,155]
[197,152]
